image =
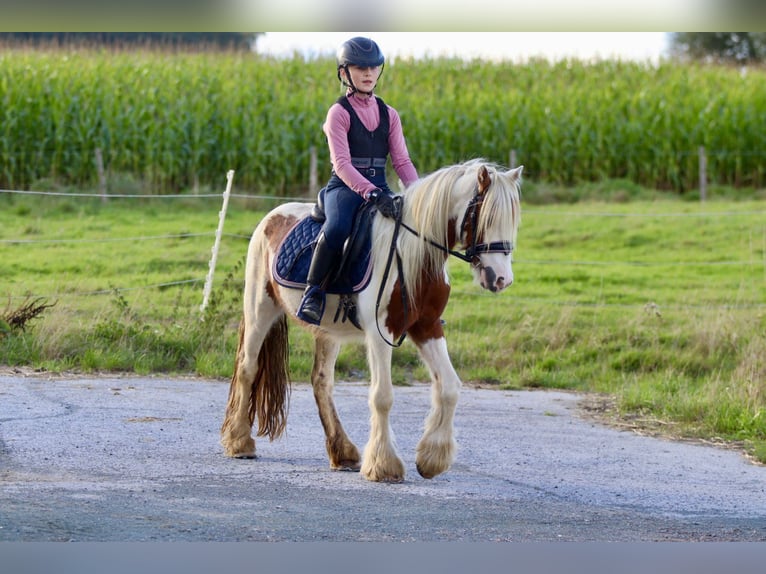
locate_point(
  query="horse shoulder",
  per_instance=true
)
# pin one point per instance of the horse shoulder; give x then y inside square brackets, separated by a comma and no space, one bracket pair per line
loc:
[422,317]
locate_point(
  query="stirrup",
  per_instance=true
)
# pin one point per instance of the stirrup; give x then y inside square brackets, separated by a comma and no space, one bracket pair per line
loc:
[311,307]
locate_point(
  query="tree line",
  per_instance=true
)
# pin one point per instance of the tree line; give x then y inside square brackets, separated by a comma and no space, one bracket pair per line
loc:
[720,47]
[220,40]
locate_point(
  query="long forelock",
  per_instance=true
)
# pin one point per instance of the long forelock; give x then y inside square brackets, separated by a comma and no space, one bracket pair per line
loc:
[501,207]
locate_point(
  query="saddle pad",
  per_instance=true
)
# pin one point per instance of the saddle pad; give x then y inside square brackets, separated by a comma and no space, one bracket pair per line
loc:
[291,265]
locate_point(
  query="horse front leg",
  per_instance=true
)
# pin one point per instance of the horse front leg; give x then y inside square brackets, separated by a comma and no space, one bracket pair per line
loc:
[380,462]
[436,450]
[342,452]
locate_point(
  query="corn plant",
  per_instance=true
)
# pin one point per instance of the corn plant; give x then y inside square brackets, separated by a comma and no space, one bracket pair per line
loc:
[176,120]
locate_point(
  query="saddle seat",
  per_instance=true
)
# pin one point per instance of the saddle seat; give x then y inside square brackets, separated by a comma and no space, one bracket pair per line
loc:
[293,258]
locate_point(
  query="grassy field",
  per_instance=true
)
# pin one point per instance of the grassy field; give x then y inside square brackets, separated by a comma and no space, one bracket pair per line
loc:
[658,304]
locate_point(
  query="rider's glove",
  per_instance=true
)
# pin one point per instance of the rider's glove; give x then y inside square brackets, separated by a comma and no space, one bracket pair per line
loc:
[384,202]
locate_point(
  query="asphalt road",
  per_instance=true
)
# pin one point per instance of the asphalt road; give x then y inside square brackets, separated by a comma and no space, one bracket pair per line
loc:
[138,459]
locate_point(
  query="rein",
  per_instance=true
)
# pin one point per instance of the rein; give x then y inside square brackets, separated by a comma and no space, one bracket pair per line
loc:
[471,254]
[397,224]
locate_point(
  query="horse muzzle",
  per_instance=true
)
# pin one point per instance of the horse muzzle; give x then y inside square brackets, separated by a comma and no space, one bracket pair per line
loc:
[493,282]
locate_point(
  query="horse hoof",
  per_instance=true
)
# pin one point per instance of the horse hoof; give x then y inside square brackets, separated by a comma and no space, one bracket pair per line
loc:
[347,466]
[425,474]
[245,456]
[392,480]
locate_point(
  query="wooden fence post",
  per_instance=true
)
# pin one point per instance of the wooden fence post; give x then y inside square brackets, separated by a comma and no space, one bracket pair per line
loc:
[214,255]
[512,159]
[313,179]
[703,173]
[101,175]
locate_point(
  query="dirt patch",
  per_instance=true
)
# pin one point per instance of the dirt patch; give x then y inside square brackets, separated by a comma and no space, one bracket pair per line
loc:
[604,410]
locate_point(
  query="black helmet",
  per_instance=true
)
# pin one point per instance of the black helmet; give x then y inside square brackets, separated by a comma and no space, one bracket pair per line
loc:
[359,51]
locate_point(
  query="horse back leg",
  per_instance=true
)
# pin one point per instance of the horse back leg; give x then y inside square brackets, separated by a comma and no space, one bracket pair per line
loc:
[436,449]
[342,452]
[260,382]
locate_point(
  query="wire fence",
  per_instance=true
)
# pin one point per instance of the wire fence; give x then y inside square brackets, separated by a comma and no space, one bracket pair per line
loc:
[529,211]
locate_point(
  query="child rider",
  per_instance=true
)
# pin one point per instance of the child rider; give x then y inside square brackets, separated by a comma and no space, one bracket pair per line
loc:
[362,131]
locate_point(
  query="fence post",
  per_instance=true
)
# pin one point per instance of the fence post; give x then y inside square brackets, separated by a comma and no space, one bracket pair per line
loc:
[313,179]
[703,173]
[218,233]
[512,159]
[101,175]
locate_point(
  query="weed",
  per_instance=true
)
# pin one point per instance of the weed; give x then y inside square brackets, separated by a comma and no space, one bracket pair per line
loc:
[18,318]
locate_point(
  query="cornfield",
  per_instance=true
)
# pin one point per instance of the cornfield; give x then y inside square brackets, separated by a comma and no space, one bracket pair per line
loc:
[178,120]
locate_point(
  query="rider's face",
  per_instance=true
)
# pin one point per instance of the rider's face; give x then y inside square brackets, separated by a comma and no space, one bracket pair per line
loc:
[364,78]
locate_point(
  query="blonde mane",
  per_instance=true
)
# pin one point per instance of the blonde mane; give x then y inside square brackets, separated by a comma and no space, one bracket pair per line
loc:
[433,204]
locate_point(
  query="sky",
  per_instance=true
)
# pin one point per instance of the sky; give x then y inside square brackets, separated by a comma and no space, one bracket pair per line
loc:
[513,46]
[305,17]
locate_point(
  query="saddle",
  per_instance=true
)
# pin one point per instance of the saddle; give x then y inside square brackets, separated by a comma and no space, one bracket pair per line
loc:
[352,274]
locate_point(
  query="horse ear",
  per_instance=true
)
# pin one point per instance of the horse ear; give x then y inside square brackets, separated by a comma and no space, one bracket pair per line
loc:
[484,179]
[515,174]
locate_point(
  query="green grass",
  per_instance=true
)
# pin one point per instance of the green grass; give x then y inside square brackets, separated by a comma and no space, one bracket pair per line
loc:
[658,303]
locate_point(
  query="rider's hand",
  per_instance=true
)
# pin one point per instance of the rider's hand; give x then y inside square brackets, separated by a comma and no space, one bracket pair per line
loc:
[384,202]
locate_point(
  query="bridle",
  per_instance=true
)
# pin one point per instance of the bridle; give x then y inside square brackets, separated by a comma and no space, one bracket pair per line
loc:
[475,249]
[471,254]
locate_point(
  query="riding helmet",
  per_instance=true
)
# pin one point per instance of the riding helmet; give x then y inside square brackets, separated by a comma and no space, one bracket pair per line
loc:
[361,52]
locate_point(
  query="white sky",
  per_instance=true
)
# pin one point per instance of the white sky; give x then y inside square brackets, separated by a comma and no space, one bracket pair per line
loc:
[514,46]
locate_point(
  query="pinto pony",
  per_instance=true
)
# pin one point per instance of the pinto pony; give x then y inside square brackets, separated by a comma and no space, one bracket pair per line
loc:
[473,206]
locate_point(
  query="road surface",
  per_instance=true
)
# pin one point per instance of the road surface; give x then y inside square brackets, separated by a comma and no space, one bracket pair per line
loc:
[86,458]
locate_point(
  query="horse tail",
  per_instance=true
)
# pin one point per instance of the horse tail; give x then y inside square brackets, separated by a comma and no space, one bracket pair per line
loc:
[270,397]
[270,385]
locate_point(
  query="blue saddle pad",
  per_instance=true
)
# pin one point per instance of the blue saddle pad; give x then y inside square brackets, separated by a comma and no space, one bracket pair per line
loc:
[291,265]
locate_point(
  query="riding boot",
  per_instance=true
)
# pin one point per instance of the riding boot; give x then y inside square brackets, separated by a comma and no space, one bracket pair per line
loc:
[323,263]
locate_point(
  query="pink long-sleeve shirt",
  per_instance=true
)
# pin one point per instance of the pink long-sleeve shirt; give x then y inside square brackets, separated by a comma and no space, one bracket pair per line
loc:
[336,127]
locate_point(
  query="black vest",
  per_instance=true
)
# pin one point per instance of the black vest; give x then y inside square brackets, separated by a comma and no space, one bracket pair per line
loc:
[369,150]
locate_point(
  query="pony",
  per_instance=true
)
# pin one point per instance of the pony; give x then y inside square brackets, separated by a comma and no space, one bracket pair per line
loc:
[474,205]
